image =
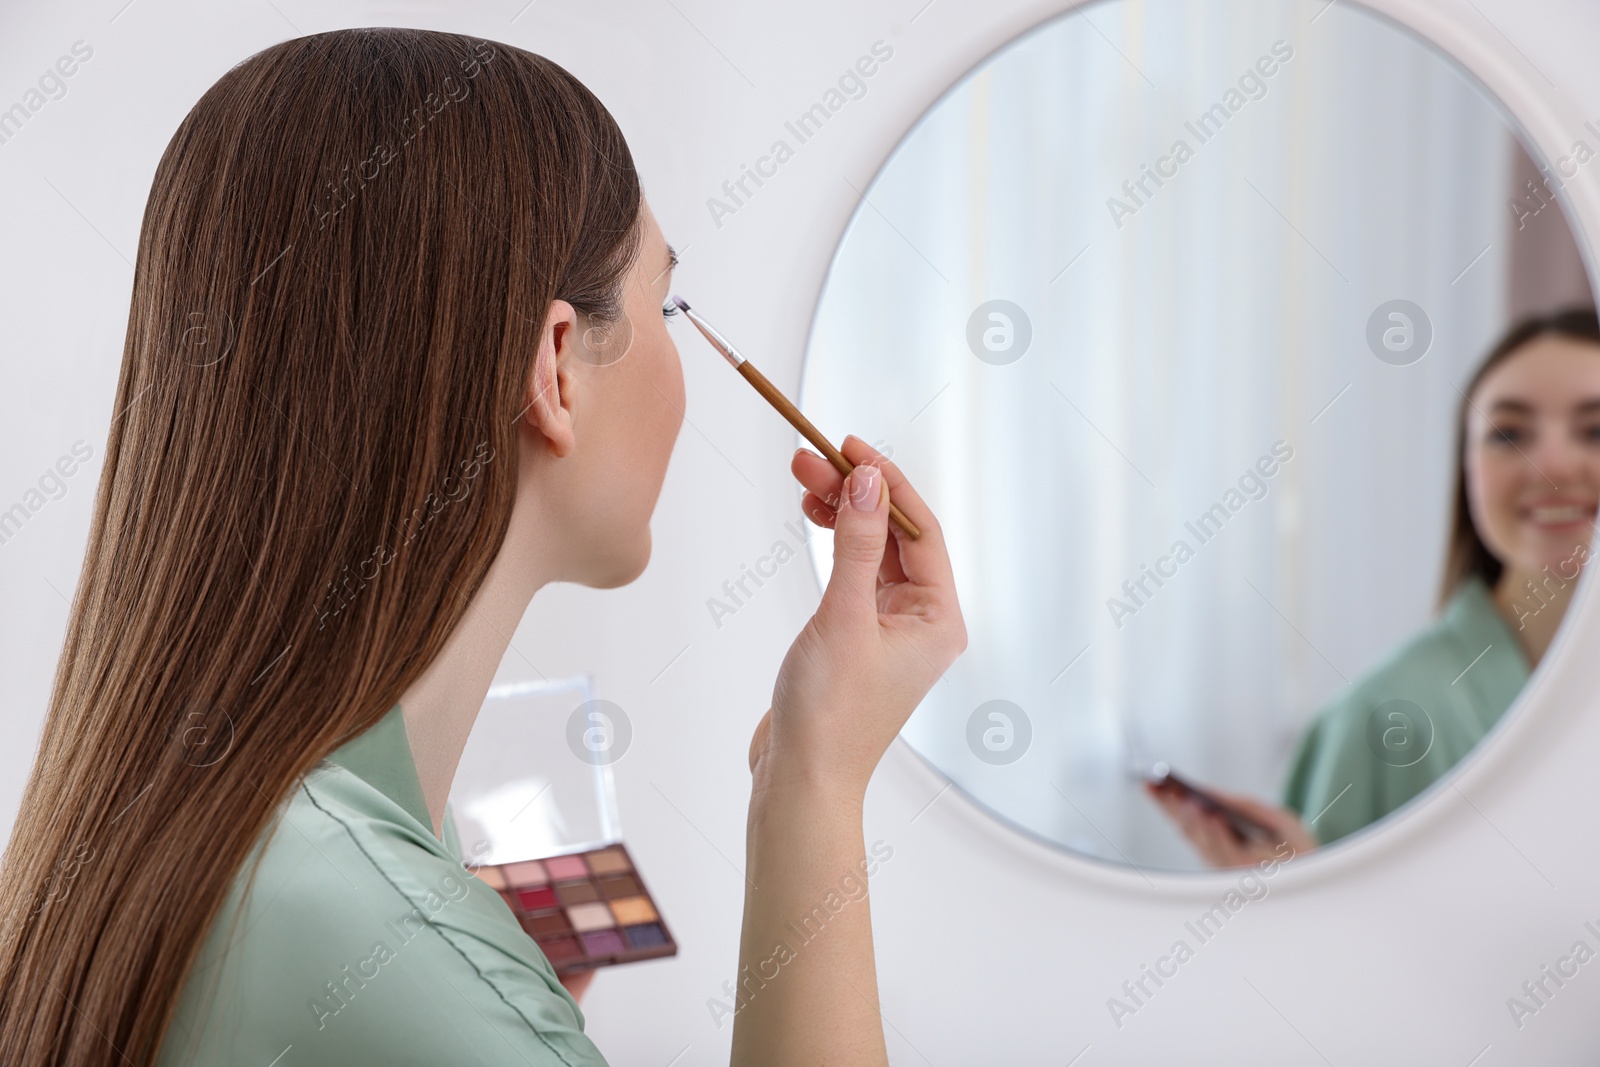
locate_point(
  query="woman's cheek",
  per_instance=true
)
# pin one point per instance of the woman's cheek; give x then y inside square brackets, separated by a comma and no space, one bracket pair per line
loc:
[1490,490]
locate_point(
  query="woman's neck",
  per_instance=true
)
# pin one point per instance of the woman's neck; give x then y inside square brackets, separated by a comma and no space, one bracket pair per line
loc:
[1533,604]
[440,707]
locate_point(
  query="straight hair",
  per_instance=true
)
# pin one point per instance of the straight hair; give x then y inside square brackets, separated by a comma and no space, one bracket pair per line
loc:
[345,264]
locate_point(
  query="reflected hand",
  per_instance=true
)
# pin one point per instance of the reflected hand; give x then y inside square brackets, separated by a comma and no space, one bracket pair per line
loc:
[1212,836]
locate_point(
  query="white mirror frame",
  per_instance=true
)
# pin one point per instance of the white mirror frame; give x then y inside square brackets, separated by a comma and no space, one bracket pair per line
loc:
[1494,806]
[1509,82]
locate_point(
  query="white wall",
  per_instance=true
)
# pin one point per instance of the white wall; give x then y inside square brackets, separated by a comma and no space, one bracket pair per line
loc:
[1399,949]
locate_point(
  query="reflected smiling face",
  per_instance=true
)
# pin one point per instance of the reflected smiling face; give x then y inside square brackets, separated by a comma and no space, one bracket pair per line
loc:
[1533,454]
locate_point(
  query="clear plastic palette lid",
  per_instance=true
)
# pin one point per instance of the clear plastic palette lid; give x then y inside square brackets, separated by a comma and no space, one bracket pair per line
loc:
[535,778]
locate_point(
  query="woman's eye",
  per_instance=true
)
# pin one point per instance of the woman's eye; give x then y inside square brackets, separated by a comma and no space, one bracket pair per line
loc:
[1504,435]
[668,310]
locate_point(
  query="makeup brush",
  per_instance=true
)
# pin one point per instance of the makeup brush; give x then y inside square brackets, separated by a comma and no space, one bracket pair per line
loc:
[785,408]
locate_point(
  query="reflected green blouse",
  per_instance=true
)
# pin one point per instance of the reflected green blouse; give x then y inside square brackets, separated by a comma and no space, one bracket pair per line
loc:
[362,939]
[1403,726]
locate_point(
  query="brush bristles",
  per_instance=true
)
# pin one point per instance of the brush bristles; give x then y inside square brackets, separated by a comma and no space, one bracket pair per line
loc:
[682,304]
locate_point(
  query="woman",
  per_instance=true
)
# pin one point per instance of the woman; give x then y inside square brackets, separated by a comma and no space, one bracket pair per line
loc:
[396,359]
[1527,481]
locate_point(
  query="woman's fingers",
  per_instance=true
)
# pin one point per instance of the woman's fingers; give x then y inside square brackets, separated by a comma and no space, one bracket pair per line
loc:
[1258,810]
[758,740]
[818,476]
[1283,822]
[906,498]
[1221,848]
[577,984]
[860,537]
[824,484]
[1190,819]
[817,510]
[1210,834]
[1207,831]
[924,560]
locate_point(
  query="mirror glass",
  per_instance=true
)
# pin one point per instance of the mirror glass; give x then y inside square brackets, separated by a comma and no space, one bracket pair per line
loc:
[1174,312]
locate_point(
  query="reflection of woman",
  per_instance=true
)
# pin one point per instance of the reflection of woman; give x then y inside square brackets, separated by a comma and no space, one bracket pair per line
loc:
[1527,480]
[230,849]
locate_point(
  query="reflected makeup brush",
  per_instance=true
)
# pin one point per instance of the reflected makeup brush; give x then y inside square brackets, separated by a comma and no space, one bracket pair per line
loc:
[785,408]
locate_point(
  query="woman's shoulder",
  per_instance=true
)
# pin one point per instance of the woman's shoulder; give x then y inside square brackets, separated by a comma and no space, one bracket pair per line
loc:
[353,935]
[1409,719]
[1465,657]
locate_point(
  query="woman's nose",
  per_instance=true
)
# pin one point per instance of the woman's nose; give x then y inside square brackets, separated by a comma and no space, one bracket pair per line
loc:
[1562,458]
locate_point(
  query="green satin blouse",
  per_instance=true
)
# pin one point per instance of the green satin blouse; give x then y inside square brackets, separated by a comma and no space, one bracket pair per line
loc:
[362,939]
[1403,726]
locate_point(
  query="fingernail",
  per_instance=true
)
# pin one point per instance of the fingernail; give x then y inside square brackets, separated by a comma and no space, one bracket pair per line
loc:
[864,490]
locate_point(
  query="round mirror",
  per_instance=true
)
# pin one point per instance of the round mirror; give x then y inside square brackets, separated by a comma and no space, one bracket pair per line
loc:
[1245,353]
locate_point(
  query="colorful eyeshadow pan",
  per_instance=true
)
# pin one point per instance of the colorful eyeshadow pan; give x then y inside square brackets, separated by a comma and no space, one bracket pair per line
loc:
[620,885]
[537,899]
[609,861]
[589,917]
[585,910]
[577,892]
[646,936]
[562,949]
[631,910]
[563,868]
[528,872]
[603,943]
[548,924]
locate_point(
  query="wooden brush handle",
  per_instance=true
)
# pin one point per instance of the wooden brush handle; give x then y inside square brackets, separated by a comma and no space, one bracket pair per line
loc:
[812,434]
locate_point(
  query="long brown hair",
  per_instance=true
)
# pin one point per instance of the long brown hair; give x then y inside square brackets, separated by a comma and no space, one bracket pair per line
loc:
[1467,556]
[344,267]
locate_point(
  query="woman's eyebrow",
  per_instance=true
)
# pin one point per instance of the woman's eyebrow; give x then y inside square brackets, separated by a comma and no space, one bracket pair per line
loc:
[1511,405]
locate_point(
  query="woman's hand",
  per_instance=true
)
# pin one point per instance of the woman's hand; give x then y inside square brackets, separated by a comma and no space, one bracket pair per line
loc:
[1216,842]
[576,984]
[887,628]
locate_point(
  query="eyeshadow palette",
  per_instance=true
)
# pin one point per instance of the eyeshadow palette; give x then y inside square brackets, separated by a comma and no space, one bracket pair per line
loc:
[585,909]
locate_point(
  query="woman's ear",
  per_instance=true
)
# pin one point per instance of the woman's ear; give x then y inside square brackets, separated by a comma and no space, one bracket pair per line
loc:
[552,386]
